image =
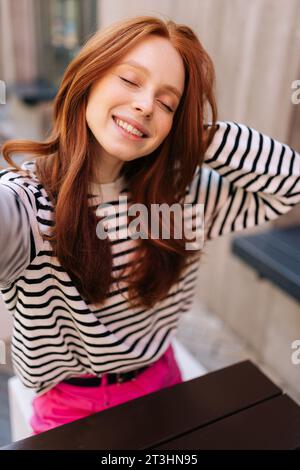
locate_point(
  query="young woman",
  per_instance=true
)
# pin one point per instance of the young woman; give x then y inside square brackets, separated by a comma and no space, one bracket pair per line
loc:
[94,317]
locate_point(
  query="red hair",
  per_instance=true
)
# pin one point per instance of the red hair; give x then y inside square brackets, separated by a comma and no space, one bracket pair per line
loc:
[64,165]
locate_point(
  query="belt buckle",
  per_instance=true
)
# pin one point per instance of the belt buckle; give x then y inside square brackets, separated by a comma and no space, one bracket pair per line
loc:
[119,378]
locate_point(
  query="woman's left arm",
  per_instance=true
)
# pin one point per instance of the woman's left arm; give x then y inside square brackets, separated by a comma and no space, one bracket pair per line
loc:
[247,179]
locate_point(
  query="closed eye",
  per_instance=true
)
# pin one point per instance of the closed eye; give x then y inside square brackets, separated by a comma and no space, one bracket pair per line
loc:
[128,81]
[134,84]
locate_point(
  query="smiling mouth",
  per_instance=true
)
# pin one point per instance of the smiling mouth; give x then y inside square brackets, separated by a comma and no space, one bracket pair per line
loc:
[141,137]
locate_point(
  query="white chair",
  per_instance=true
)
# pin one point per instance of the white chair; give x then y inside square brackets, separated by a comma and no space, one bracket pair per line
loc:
[20,409]
[189,367]
[20,397]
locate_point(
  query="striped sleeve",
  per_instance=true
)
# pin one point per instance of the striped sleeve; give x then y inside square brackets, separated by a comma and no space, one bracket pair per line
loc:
[247,179]
[15,237]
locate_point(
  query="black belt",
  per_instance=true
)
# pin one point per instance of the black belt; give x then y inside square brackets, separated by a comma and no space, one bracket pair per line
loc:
[111,378]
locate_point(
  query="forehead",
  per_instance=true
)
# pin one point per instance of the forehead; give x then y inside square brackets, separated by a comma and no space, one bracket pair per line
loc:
[157,58]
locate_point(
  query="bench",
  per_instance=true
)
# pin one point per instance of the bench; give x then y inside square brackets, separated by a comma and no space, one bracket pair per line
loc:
[275,255]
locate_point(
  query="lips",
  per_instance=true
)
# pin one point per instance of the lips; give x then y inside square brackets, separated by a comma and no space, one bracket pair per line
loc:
[133,123]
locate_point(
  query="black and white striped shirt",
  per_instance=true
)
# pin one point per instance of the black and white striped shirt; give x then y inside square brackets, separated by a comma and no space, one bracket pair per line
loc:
[247,179]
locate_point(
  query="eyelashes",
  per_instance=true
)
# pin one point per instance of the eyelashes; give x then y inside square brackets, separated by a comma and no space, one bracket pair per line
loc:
[128,81]
[134,84]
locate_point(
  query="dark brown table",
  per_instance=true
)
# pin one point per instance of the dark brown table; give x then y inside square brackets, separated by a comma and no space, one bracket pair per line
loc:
[236,407]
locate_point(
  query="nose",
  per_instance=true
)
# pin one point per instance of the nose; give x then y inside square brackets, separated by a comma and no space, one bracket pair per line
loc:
[144,105]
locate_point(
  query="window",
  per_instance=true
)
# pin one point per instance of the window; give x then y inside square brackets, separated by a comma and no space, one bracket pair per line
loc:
[62,28]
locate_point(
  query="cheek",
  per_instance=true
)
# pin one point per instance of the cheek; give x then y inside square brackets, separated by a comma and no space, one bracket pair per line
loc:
[161,134]
[93,113]
[90,113]
[164,129]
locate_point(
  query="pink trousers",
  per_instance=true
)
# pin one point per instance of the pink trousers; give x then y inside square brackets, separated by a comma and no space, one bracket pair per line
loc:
[65,403]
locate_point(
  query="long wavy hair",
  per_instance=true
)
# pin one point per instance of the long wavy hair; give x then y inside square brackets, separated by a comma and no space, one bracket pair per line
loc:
[64,163]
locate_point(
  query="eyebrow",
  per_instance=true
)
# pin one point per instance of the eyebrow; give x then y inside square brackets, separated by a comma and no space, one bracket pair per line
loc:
[135,64]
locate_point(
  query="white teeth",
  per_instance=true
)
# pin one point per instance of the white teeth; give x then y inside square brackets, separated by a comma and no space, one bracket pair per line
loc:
[128,127]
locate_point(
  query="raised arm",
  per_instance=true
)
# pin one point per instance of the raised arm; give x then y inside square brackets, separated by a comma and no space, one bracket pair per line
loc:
[247,179]
[15,237]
